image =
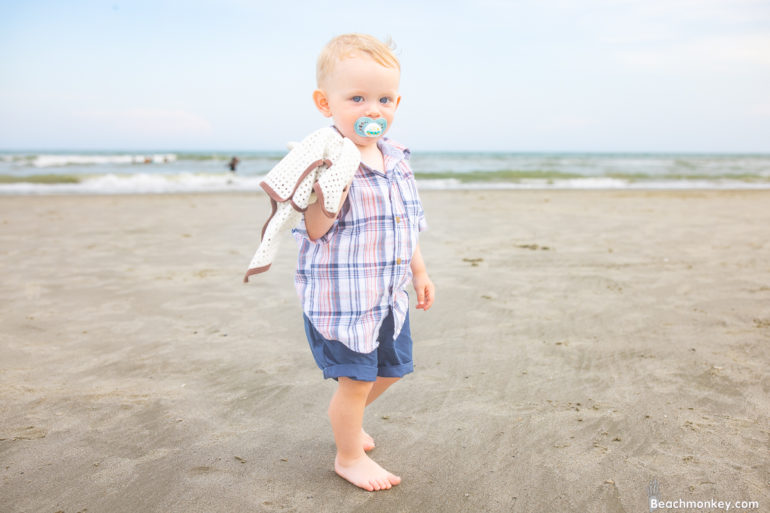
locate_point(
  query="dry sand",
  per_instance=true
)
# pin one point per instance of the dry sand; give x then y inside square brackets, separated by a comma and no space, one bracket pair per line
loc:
[582,344]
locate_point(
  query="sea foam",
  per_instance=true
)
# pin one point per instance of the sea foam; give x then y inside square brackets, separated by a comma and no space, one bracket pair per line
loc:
[46,160]
[141,183]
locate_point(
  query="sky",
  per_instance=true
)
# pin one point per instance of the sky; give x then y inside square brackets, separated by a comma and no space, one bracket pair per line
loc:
[484,75]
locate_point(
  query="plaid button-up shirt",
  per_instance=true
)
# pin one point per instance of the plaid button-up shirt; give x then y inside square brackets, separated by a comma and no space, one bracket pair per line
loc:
[351,278]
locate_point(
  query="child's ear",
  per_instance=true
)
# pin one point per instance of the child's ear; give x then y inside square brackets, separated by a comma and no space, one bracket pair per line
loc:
[321,103]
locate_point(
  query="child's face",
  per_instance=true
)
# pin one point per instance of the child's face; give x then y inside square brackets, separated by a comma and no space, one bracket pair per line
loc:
[357,87]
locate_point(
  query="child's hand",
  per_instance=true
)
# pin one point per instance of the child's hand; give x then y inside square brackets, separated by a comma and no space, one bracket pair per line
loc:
[425,290]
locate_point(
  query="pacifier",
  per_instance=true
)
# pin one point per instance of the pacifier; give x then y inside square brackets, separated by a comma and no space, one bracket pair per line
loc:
[368,127]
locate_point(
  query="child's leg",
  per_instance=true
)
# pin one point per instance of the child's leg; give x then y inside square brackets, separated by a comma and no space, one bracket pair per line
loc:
[379,387]
[346,412]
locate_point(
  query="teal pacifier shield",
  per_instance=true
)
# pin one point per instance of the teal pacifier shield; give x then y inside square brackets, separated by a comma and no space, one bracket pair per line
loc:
[368,127]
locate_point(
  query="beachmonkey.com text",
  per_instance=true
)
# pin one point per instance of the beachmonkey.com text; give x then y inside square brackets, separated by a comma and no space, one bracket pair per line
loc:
[712,504]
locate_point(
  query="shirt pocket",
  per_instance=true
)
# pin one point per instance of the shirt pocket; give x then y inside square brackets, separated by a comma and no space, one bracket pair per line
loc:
[413,206]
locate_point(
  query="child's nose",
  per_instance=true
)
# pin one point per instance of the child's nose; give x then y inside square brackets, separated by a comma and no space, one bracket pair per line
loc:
[372,111]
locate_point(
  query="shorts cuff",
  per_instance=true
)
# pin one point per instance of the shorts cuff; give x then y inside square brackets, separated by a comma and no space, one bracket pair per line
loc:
[352,371]
[396,371]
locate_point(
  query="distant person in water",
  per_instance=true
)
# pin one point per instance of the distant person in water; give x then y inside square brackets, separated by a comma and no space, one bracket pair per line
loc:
[233,163]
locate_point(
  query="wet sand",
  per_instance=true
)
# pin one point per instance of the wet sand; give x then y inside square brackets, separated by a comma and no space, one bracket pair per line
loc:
[582,344]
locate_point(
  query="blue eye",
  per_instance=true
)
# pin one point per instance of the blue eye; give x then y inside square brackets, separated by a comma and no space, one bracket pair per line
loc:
[385,99]
[358,99]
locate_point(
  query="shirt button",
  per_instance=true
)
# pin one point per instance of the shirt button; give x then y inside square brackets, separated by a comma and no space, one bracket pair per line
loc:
[398,260]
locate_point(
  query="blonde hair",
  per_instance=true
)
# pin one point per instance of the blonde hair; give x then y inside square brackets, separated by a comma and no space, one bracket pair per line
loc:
[347,45]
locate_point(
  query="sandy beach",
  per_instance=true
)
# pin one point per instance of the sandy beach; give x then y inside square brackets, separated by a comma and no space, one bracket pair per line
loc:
[583,344]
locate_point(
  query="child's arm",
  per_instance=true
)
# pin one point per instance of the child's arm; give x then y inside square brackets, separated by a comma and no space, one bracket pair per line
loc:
[316,222]
[422,284]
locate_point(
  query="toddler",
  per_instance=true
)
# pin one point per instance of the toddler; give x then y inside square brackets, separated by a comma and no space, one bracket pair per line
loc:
[353,269]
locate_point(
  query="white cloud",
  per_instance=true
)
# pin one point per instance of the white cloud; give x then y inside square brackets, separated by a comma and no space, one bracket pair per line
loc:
[156,123]
[761,111]
[715,53]
[635,22]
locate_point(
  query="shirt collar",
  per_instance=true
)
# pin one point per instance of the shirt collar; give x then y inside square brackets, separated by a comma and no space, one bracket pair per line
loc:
[393,152]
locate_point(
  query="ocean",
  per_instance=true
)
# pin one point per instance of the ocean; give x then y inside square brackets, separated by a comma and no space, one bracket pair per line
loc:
[181,172]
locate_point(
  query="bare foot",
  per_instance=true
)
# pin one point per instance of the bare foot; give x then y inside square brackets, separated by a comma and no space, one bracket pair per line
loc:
[368,441]
[365,473]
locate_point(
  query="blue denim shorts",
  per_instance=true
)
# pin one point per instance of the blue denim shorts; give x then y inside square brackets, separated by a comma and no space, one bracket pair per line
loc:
[391,359]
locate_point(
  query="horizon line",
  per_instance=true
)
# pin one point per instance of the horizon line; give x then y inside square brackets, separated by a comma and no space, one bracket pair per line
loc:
[234,152]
